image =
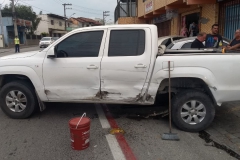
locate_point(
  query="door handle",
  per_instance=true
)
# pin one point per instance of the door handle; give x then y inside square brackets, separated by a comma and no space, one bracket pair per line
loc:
[140,66]
[92,67]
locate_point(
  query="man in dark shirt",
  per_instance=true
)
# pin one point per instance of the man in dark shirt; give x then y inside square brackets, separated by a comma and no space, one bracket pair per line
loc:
[235,43]
[197,43]
[214,40]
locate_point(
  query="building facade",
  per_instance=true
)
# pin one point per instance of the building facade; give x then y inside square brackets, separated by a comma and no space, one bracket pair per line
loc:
[52,24]
[81,22]
[8,29]
[170,16]
[229,17]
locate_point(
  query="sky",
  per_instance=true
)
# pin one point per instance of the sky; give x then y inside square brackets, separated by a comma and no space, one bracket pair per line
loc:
[81,8]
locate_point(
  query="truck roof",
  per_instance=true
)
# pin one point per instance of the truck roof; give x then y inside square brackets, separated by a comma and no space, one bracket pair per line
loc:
[117,26]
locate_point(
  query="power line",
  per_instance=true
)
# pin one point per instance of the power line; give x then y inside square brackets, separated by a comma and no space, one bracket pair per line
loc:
[86,11]
[86,7]
[37,7]
[3,2]
[56,2]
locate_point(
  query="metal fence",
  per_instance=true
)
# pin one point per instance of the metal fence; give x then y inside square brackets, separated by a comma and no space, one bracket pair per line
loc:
[28,36]
[39,37]
[34,37]
[125,10]
[229,18]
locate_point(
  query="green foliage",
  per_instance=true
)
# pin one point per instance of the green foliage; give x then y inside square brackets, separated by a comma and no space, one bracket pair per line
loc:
[44,34]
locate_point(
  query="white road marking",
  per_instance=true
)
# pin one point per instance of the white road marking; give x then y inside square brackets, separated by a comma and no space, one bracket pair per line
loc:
[115,148]
[103,120]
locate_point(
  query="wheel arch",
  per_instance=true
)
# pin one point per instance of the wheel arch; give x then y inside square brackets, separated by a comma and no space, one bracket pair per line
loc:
[179,84]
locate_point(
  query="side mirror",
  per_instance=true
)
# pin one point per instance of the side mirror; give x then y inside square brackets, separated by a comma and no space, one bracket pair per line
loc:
[51,56]
[55,53]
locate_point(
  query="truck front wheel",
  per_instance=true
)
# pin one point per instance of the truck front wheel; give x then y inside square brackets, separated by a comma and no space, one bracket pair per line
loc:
[18,99]
[192,110]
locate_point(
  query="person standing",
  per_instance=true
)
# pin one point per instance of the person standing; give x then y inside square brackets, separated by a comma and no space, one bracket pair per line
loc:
[193,29]
[235,43]
[17,42]
[198,42]
[214,40]
[184,31]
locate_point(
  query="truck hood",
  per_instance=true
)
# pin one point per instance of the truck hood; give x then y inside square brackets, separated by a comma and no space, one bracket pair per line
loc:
[19,55]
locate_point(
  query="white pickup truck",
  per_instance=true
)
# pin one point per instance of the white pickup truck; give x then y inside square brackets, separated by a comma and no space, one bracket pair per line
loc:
[120,64]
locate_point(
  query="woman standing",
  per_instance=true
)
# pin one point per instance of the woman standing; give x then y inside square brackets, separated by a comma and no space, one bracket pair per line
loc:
[184,31]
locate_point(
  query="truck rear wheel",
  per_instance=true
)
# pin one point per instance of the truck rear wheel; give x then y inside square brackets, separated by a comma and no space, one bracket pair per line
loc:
[18,99]
[192,110]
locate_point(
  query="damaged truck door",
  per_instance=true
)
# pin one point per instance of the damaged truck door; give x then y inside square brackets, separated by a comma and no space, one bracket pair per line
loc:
[73,74]
[125,64]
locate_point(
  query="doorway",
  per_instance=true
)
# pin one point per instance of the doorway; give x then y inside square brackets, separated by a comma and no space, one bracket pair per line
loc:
[189,19]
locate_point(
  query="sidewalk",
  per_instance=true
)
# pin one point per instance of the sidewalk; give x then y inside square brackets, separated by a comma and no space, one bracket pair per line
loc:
[225,129]
[8,49]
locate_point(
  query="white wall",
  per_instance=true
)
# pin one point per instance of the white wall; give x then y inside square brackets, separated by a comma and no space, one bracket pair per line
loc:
[5,35]
[56,23]
[43,25]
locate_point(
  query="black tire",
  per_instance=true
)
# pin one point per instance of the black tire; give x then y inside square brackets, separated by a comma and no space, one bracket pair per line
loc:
[27,90]
[183,97]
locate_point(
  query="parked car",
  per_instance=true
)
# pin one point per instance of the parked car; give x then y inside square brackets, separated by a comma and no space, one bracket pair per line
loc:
[166,40]
[120,64]
[45,42]
[55,38]
[185,43]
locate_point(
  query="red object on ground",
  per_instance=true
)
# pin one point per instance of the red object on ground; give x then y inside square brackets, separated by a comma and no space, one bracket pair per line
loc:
[80,135]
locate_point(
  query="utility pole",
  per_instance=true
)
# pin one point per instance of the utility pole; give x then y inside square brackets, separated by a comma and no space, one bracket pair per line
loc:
[105,14]
[64,5]
[14,19]
[1,23]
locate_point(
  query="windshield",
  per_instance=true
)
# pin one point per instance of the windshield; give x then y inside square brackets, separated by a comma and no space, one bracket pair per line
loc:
[45,39]
[55,38]
[170,46]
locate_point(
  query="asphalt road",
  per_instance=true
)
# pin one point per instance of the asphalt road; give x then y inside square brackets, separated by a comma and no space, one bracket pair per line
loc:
[45,135]
[5,52]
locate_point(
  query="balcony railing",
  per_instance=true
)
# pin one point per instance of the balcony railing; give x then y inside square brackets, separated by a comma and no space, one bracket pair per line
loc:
[125,9]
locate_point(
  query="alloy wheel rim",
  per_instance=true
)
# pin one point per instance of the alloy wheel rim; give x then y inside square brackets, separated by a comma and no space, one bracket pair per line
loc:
[193,112]
[16,101]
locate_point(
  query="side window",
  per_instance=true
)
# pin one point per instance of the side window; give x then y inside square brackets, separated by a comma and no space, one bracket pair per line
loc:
[85,44]
[126,43]
[187,45]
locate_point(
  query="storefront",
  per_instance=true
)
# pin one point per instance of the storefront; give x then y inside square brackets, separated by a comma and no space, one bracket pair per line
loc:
[163,24]
[229,17]
[187,17]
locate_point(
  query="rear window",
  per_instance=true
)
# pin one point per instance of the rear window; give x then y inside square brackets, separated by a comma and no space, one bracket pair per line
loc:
[126,43]
[45,39]
[170,46]
[187,45]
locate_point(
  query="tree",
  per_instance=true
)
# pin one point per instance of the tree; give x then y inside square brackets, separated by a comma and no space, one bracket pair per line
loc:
[22,12]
